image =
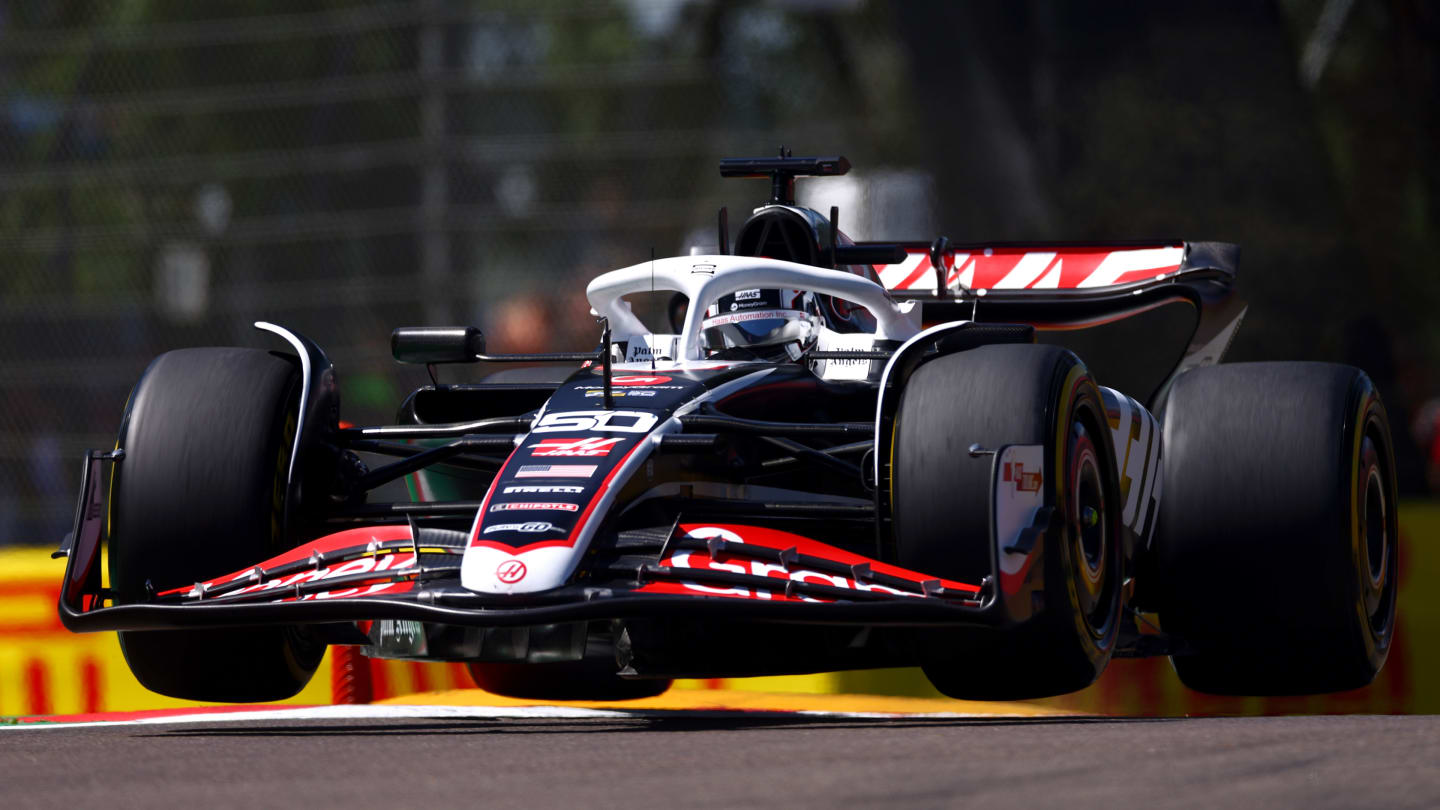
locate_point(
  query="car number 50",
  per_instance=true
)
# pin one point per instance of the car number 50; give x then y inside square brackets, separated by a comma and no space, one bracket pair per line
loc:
[597,421]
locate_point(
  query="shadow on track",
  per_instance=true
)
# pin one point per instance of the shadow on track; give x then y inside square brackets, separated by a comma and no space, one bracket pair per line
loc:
[641,722]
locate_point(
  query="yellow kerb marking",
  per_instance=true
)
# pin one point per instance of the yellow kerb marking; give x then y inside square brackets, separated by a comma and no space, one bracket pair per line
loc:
[723,700]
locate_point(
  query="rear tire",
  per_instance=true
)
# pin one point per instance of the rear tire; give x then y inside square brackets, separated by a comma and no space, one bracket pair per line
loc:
[1276,544]
[994,396]
[200,493]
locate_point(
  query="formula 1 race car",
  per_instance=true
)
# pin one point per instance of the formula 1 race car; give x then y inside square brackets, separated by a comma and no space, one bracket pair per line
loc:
[834,456]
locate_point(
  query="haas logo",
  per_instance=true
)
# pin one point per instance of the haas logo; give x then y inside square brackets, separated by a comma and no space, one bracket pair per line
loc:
[595,446]
[1025,480]
[510,572]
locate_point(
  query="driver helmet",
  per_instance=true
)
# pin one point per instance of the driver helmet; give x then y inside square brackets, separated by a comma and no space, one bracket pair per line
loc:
[776,325]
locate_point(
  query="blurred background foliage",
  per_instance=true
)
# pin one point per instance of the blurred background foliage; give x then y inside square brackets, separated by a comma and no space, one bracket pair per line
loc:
[171,171]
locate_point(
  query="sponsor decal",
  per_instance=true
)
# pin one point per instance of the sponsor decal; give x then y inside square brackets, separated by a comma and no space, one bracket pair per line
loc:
[639,350]
[768,314]
[364,590]
[734,559]
[633,393]
[639,379]
[763,568]
[597,421]
[748,300]
[1012,510]
[736,305]
[706,269]
[542,489]
[360,565]
[532,527]
[520,506]
[510,571]
[1133,428]
[1024,480]
[597,388]
[556,471]
[593,446]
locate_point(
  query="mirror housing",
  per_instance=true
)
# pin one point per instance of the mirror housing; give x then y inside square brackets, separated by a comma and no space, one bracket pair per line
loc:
[437,344]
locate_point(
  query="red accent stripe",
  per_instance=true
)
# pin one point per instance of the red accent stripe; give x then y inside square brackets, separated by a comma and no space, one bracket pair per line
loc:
[1045,272]
[490,493]
[915,276]
[379,679]
[991,270]
[1077,267]
[331,542]
[350,680]
[420,672]
[37,683]
[1145,274]
[90,681]
[604,487]
[514,550]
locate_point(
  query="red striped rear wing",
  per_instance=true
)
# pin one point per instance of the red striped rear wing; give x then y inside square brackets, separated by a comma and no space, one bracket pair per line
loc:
[1035,267]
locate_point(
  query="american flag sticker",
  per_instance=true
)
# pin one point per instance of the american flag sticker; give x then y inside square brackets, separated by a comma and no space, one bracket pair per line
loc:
[556,471]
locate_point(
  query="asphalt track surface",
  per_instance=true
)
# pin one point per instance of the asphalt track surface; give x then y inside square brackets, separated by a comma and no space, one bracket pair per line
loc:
[699,759]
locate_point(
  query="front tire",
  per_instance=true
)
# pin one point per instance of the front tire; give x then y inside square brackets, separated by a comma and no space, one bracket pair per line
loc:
[1276,543]
[1061,634]
[200,493]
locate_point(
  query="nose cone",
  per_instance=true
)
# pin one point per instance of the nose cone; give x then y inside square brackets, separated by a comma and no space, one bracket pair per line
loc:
[486,569]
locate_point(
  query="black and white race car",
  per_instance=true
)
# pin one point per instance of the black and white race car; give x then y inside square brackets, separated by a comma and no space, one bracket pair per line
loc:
[1003,463]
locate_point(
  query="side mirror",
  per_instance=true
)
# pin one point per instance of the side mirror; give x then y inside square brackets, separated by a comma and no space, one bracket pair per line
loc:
[437,344]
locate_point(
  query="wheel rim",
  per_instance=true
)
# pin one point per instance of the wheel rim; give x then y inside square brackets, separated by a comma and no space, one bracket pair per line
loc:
[1090,534]
[1376,541]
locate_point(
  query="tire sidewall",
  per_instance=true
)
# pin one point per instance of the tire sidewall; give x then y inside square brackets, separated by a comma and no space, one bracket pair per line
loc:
[1079,402]
[1371,422]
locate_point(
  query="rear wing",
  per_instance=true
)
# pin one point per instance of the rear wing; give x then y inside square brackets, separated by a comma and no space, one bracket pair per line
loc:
[1007,268]
[1069,288]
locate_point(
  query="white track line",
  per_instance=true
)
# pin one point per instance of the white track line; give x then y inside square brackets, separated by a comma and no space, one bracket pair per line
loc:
[393,712]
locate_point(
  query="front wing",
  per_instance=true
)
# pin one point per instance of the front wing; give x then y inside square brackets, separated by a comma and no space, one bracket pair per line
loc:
[401,572]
